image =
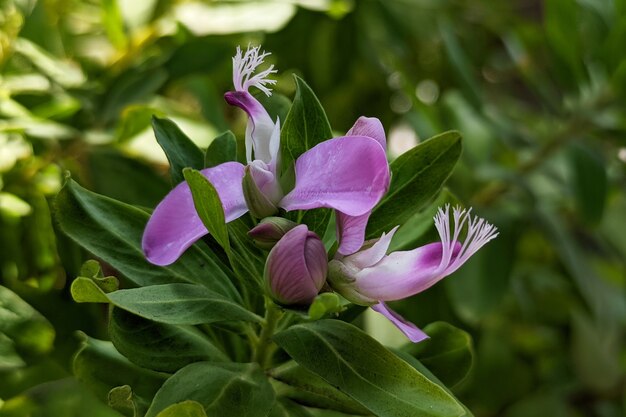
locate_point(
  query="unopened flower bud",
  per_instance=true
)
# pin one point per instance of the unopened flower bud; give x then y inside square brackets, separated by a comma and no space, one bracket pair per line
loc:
[296,267]
[269,231]
[258,202]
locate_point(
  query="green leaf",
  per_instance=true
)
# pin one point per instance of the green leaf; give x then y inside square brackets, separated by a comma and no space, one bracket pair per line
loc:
[98,365]
[222,149]
[184,409]
[85,290]
[426,372]
[448,353]
[124,401]
[353,362]
[159,346]
[304,387]
[126,179]
[23,331]
[208,205]
[589,182]
[186,304]
[112,231]
[416,177]
[306,124]
[179,149]
[229,389]
[61,397]
[113,23]
[317,220]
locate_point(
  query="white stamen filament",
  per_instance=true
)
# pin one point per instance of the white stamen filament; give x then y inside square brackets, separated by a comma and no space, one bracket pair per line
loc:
[479,232]
[244,66]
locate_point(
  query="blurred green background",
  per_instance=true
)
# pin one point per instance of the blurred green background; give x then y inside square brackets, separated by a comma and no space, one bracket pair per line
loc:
[537,88]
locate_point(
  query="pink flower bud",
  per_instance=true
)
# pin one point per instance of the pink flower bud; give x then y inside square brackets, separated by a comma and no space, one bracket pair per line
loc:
[270,230]
[296,267]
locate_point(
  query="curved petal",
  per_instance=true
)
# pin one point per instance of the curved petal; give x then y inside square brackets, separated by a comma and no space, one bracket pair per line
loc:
[260,128]
[370,127]
[351,232]
[373,254]
[348,173]
[403,274]
[410,330]
[175,225]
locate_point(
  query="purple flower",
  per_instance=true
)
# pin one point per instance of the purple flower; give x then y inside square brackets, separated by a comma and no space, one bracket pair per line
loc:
[349,174]
[296,267]
[371,277]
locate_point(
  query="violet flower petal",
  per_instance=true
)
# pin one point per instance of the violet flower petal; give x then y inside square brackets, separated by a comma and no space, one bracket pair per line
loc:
[403,274]
[372,255]
[351,229]
[175,225]
[370,127]
[410,330]
[260,128]
[348,173]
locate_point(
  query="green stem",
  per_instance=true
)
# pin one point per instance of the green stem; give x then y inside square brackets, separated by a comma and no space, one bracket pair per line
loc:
[264,347]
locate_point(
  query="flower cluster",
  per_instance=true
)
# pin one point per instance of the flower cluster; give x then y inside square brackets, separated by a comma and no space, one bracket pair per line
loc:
[349,174]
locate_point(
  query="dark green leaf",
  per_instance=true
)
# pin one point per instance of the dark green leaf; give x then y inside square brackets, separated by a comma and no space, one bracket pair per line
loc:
[179,149]
[112,231]
[159,346]
[353,362]
[306,388]
[184,409]
[230,389]
[416,176]
[98,365]
[306,124]
[208,205]
[317,220]
[23,331]
[125,179]
[448,353]
[62,397]
[186,304]
[222,149]
[590,183]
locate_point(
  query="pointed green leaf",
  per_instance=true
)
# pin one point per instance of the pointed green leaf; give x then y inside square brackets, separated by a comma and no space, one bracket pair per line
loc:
[112,231]
[306,124]
[179,149]
[353,362]
[180,304]
[416,177]
[223,389]
[208,205]
[159,346]
[222,149]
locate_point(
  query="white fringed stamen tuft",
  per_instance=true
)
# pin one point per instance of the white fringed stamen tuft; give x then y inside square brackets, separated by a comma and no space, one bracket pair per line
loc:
[479,232]
[244,66]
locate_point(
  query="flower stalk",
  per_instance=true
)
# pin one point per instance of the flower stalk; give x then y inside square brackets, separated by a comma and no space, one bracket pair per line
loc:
[264,348]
